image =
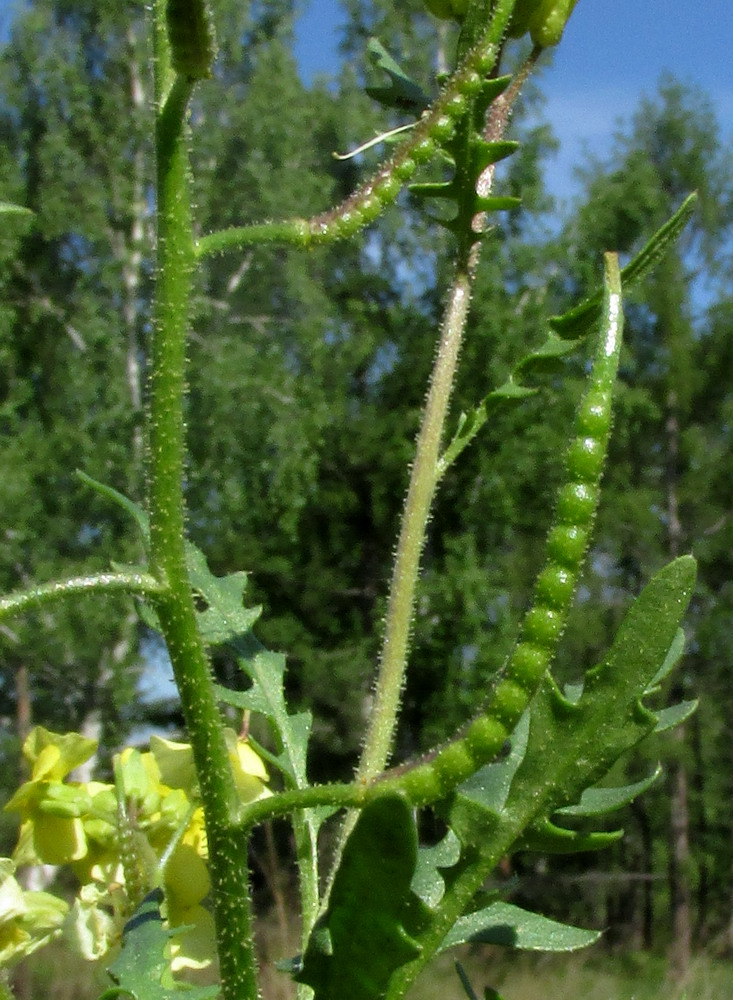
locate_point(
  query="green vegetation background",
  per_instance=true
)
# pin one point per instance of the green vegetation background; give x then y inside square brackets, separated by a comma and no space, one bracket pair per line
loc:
[307,379]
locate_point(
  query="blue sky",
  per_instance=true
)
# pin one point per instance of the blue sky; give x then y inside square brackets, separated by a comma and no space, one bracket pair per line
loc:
[613,51]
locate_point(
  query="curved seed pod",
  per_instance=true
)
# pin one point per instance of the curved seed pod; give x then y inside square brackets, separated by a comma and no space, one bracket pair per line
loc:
[483,739]
[191,38]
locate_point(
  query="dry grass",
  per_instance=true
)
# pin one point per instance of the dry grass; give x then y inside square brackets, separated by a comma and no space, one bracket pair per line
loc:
[588,976]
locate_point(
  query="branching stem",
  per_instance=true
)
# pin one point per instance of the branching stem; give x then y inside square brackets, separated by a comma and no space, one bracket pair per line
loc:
[129,583]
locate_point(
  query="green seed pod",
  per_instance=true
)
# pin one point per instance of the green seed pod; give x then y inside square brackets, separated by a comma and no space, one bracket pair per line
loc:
[543,625]
[547,23]
[447,10]
[423,151]
[585,457]
[509,701]
[523,11]
[545,20]
[555,586]
[404,170]
[191,37]
[566,545]
[420,786]
[485,737]
[442,130]
[576,503]
[453,765]
[528,665]
[437,776]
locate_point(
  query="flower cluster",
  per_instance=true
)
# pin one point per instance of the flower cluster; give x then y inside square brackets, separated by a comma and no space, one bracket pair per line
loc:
[121,840]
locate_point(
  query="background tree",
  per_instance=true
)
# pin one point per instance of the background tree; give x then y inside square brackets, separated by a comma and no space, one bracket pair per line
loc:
[73,151]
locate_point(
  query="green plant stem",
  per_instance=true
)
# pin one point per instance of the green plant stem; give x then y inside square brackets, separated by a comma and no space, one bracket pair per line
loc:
[175,607]
[284,803]
[467,882]
[420,494]
[423,480]
[306,852]
[126,582]
[294,232]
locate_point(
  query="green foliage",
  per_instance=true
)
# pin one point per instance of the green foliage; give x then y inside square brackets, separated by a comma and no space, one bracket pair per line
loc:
[142,969]
[531,769]
[512,927]
[368,928]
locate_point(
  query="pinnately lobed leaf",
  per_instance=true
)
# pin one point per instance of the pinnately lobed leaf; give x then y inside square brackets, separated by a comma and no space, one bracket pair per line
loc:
[484,738]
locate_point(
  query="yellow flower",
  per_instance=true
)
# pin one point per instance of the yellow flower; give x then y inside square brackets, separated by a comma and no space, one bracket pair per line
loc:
[28,920]
[52,831]
[175,763]
[186,882]
[250,773]
[177,769]
[186,877]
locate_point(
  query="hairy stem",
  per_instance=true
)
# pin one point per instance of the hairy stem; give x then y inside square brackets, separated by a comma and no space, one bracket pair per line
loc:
[423,480]
[420,493]
[175,607]
[129,583]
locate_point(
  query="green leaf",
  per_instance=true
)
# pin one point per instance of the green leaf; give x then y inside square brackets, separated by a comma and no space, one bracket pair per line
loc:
[434,189]
[266,695]
[497,203]
[597,801]
[566,333]
[491,785]
[573,742]
[572,745]
[671,660]
[486,153]
[675,715]
[7,208]
[225,618]
[427,882]
[142,970]
[512,927]
[548,838]
[576,323]
[368,930]
[226,621]
[402,92]
[133,509]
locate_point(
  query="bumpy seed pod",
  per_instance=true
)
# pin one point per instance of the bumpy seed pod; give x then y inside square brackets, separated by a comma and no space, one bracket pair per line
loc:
[548,22]
[545,20]
[484,737]
[191,37]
